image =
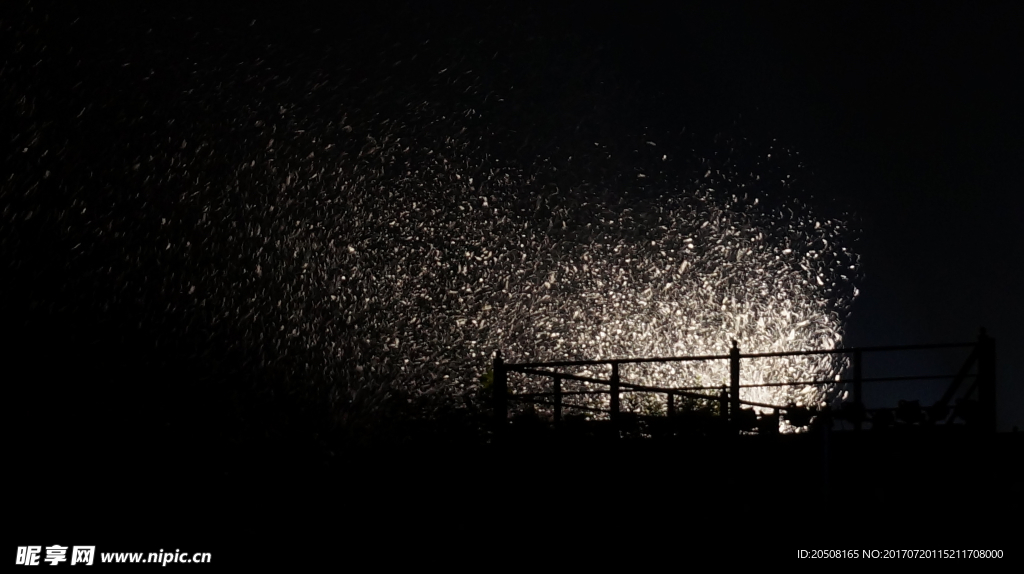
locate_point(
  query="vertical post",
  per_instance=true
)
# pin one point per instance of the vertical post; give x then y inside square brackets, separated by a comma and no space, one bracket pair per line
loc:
[825,428]
[671,404]
[723,404]
[500,394]
[558,400]
[614,383]
[987,382]
[734,382]
[858,390]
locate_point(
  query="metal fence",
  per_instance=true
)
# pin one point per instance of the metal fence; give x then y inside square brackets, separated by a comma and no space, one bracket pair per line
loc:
[979,413]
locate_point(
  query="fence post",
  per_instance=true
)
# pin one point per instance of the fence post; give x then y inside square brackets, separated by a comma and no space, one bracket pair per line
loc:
[671,404]
[614,383]
[500,394]
[987,382]
[558,400]
[858,388]
[723,404]
[734,382]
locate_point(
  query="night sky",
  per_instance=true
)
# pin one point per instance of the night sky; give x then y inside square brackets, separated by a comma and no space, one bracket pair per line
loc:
[904,120]
[190,194]
[901,126]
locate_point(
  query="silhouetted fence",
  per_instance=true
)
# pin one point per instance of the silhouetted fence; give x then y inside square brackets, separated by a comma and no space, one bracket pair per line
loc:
[979,413]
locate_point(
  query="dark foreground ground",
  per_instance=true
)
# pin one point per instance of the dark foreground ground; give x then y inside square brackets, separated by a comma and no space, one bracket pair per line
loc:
[897,489]
[108,447]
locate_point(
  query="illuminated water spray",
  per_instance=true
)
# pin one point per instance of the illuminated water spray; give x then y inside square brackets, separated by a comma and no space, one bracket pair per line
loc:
[433,279]
[361,240]
[698,275]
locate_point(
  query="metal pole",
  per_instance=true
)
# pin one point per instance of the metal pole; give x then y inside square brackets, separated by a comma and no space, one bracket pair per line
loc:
[825,429]
[558,400]
[500,393]
[614,406]
[723,404]
[734,382]
[987,382]
[858,390]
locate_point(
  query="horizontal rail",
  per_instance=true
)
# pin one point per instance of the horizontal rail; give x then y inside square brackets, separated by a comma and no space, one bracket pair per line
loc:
[837,351]
[515,366]
[851,381]
[560,376]
[684,390]
[686,393]
[633,389]
[568,406]
[529,398]
[842,350]
[554,394]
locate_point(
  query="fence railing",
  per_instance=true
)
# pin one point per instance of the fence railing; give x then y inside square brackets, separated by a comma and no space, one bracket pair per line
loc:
[979,413]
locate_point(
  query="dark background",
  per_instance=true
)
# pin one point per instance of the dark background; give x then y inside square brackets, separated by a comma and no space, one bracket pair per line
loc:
[908,119]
